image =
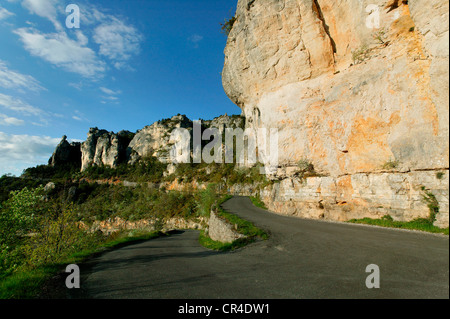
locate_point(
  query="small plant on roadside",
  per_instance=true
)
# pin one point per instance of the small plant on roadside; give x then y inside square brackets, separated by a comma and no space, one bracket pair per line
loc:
[432,203]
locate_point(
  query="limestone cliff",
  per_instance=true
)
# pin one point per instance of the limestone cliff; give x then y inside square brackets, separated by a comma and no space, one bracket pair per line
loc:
[105,148]
[111,149]
[357,88]
[66,153]
[154,140]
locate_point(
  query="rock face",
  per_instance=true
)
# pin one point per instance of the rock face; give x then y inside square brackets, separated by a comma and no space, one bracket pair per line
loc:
[66,153]
[223,122]
[105,148]
[111,149]
[359,89]
[154,140]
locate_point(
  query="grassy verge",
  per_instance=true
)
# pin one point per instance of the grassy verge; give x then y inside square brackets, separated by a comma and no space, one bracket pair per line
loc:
[244,227]
[258,202]
[207,242]
[421,224]
[27,284]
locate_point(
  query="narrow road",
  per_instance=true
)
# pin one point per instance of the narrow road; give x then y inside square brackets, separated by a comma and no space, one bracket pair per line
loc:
[302,259]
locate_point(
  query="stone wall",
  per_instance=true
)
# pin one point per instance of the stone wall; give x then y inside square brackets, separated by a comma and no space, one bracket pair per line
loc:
[221,230]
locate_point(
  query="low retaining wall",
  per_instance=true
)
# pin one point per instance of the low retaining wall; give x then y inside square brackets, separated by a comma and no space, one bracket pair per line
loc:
[221,230]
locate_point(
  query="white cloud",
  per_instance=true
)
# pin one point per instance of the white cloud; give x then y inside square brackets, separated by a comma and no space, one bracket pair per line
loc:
[110,92]
[60,50]
[13,80]
[117,41]
[111,98]
[78,116]
[23,151]
[17,105]
[195,39]
[77,86]
[5,13]
[45,9]
[7,121]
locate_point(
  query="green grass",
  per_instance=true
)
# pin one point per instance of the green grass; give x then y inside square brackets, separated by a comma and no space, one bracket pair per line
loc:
[27,284]
[258,202]
[243,227]
[207,242]
[421,224]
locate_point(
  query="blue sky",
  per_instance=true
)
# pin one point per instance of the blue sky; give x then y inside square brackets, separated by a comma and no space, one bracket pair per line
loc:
[131,63]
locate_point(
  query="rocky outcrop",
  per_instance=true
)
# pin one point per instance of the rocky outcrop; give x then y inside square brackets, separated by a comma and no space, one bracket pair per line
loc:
[224,121]
[154,140]
[66,154]
[111,149]
[105,148]
[365,104]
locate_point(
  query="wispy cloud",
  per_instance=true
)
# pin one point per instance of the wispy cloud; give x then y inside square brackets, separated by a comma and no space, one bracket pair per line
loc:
[61,51]
[8,121]
[14,80]
[17,105]
[195,39]
[77,86]
[110,92]
[118,41]
[111,95]
[45,9]
[5,13]
[78,116]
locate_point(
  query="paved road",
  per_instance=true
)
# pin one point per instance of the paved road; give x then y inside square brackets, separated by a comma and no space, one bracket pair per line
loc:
[302,259]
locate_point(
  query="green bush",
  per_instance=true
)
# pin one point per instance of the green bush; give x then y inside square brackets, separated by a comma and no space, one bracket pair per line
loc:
[57,236]
[205,200]
[228,25]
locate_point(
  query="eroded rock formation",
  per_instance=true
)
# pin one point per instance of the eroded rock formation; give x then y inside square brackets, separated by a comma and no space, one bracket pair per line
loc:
[66,153]
[105,148]
[366,104]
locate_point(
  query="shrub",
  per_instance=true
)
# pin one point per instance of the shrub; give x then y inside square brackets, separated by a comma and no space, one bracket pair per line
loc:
[432,203]
[305,166]
[380,36]
[206,199]
[228,25]
[361,54]
[57,236]
[440,175]
[19,214]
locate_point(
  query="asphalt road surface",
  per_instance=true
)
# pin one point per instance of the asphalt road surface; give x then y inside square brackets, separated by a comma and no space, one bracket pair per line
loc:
[302,259]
